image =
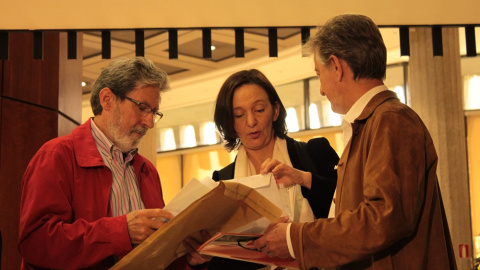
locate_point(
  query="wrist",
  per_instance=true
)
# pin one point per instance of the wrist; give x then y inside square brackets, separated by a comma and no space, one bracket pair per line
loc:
[307,180]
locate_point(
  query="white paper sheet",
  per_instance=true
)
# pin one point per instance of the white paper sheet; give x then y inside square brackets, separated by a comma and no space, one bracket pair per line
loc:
[263,184]
[191,192]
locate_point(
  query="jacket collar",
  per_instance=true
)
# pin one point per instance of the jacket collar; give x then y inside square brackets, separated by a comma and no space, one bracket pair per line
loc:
[375,102]
[86,151]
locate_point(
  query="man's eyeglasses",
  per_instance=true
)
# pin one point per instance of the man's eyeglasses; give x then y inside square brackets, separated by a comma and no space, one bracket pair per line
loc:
[145,110]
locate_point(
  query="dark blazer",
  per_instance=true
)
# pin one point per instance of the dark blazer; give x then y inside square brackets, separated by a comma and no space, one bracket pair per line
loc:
[316,157]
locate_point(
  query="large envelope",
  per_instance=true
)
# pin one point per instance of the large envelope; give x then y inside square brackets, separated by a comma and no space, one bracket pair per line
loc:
[267,187]
[228,206]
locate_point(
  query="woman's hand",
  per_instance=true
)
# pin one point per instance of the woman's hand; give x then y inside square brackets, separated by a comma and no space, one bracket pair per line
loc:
[285,174]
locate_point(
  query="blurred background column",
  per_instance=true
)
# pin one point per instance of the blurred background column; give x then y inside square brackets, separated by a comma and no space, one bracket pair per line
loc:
[436,94]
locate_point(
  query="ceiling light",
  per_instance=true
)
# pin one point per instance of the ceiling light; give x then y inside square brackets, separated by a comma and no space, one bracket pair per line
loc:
[212,48]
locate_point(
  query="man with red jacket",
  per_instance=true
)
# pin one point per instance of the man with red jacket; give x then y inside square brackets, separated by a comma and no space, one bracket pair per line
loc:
[89,198]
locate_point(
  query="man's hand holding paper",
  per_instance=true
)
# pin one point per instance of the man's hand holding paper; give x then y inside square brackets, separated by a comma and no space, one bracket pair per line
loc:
[273,242]
[143,223]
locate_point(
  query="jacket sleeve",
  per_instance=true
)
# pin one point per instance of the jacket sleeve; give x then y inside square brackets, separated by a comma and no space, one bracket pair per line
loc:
[225,173]
[51,236]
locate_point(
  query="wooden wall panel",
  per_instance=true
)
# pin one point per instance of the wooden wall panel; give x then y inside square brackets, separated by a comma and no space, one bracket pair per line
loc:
[24,129]
[30,80]
[70,80]
[31,91]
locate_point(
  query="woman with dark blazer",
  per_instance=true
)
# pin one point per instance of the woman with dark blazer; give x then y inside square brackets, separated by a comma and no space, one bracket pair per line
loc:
[251,119]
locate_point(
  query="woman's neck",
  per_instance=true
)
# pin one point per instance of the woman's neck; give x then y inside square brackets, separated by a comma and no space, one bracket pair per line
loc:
[257,157]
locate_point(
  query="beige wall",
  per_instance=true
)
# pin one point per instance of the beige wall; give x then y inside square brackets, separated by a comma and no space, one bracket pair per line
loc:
[170,170]
[118,14]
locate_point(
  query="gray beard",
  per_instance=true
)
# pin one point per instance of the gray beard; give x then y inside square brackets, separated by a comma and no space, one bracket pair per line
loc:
[122,141]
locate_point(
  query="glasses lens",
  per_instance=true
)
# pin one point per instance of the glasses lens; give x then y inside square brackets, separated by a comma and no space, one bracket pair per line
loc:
[156,117]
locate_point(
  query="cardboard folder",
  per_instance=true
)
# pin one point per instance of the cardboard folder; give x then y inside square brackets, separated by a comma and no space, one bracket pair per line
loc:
[226,207]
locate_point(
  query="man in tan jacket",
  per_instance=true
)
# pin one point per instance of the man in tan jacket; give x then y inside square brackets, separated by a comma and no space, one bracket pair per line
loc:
[388,208]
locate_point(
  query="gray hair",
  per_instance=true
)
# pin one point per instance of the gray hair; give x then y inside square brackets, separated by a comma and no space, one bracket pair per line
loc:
[123,75]
[354,38]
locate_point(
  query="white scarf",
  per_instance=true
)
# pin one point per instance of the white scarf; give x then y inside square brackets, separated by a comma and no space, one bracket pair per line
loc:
[302,212]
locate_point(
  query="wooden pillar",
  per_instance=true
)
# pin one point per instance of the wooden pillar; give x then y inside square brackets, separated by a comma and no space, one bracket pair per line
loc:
[40,100]
[436,94]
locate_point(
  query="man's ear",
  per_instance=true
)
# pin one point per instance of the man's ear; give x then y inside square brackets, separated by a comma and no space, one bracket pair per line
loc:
[337,67]
[107,98]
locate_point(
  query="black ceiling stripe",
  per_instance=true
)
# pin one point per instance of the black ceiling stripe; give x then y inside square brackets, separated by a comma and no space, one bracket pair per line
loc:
[272,42]
[404,41]
[139,43]
[207,43]
[305,33]
[172,44]
[106,44]
[4,46]
[38,42]
[37,45]
[470,41]
[239,43]
[72,44]
[437,41]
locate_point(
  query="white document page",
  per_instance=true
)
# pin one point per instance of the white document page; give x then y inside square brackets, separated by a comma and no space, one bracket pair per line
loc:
[191,192]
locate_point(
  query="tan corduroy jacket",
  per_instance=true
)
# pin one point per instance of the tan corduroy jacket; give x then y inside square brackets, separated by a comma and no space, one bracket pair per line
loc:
[389,211]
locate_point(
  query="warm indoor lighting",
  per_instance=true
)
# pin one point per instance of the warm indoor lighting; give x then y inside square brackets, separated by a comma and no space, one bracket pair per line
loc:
[400,93]
[212,48]
[187,136]
[83,84]
[313,115]
[208,132]
[167,139]
[472,92]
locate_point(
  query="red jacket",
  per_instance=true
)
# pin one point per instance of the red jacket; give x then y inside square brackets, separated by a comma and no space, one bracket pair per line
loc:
[65,201]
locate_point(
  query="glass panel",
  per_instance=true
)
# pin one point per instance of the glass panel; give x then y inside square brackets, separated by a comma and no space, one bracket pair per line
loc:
[196,116]
[291,96]
[395,80]
[323,112]
[292,120]
[313,115]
